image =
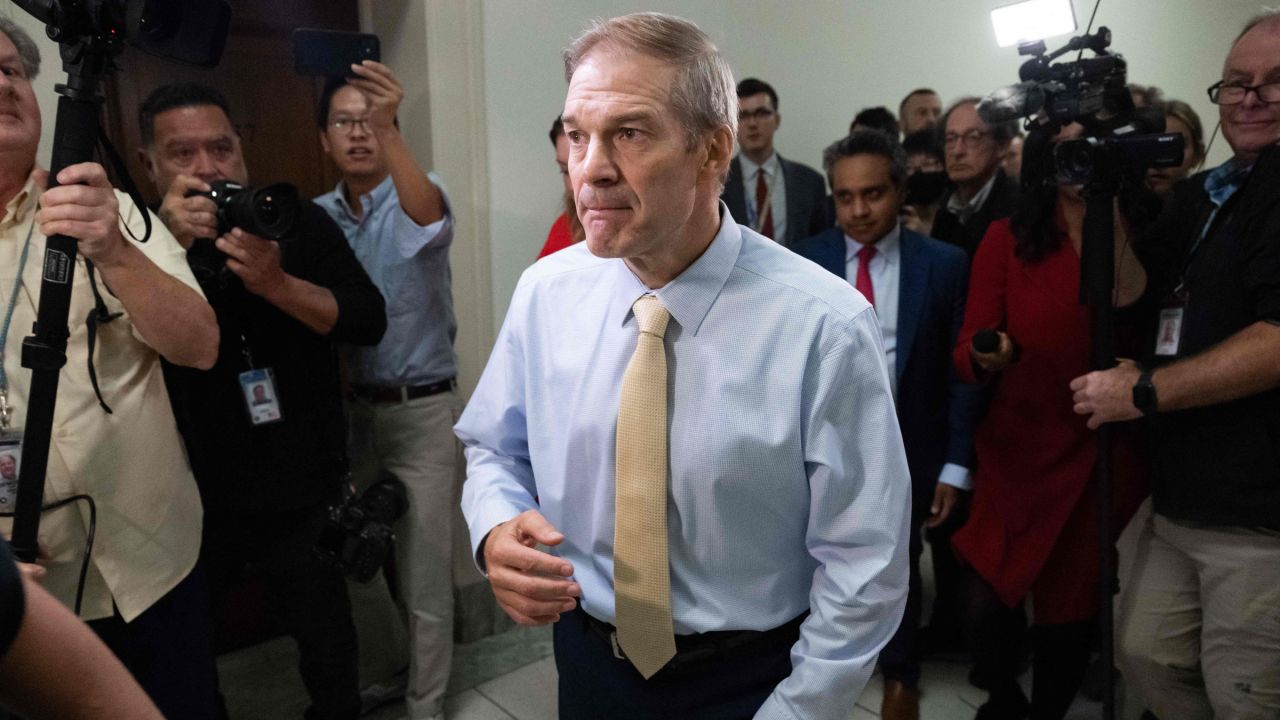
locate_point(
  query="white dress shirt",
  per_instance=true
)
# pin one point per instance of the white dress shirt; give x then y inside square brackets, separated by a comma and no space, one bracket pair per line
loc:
[777,184]
[886,269]
[789,489]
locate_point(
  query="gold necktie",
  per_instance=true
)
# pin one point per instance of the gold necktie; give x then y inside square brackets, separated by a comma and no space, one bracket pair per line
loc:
[641,574]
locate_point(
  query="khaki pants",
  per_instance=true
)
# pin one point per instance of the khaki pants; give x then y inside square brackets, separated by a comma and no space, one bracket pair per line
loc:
[1198,618]
[414,440]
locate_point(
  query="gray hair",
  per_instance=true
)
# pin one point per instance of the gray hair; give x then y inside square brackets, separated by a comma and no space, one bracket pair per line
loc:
[703,94]
[1267,15]
[28,51]
[1001,132]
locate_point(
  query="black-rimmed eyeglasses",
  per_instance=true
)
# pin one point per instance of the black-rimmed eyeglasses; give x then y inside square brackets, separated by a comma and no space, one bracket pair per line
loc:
[1221,93]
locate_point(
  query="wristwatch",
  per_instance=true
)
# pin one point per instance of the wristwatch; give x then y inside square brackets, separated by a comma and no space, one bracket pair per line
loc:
[1144,394]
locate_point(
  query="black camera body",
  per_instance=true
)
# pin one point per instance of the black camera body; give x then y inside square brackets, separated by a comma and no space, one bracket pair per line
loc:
[269,212]
[358,535]
[1119,139]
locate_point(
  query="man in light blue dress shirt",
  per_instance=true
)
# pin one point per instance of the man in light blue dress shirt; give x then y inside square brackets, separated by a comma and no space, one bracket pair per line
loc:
[405,398]
[788,491]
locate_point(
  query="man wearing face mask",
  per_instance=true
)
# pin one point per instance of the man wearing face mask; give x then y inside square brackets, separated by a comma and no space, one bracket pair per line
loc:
[264,428]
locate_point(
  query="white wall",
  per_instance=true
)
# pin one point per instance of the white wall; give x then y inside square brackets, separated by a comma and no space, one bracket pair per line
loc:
[826,58]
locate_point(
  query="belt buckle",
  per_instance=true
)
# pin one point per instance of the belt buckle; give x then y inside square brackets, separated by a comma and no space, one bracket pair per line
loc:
[617,649]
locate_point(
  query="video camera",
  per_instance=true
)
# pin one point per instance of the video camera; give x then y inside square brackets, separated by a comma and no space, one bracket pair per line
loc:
[1091,91]
[357,536]
[268,212]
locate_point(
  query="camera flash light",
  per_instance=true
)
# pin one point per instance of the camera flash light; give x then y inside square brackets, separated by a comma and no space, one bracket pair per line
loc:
[1032,20]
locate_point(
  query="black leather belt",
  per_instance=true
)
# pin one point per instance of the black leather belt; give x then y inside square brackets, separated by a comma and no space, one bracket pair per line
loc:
[379,394]
[693,649]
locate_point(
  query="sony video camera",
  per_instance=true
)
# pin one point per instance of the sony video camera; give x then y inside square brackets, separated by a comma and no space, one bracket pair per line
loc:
[357,536]
[269,212]
[1118,138]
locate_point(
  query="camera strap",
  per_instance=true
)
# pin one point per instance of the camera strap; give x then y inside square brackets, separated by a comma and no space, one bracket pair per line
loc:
[126,180]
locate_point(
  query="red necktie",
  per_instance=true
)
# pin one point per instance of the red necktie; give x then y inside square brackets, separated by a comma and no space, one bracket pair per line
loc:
[863,282]
[764,208]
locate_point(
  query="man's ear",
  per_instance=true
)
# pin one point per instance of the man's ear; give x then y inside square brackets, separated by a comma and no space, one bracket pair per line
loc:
[324,142]
[777,118]
[718,146]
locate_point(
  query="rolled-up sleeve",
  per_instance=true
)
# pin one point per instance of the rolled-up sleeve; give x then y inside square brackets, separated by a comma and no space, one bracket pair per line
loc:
[858,520]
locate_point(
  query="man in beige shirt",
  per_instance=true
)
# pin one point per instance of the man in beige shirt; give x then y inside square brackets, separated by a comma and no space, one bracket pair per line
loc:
[139,590]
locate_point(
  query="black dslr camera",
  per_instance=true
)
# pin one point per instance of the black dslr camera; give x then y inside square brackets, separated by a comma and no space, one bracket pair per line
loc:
[268,212]
[357,536]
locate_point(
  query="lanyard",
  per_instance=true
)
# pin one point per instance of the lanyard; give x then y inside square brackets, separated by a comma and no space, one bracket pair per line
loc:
[5,414]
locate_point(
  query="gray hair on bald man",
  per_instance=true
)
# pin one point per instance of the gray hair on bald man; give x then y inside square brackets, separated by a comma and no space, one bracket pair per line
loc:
[703,94]
[28,51]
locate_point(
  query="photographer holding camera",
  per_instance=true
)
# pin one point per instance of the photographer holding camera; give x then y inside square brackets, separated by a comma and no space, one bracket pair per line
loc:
[1198,633]
[268,471]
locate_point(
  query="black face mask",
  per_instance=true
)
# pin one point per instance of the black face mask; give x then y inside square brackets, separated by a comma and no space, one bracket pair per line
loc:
[926,188]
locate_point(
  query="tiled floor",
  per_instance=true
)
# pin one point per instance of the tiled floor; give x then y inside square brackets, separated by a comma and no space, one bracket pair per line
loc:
[513,677]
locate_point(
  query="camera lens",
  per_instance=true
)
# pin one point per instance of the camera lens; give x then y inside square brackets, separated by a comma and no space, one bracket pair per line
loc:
[267,211]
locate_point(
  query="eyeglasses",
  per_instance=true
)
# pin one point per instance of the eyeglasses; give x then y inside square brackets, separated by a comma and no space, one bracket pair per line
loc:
[763,113]
[973,137]
[1222,94]
[347,125]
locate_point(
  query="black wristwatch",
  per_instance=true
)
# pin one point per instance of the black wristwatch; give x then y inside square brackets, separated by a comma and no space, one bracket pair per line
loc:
[1144,394]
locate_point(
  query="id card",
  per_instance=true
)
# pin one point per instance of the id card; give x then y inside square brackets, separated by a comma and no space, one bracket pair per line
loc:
[1169,331]
[10,461]
[260,398]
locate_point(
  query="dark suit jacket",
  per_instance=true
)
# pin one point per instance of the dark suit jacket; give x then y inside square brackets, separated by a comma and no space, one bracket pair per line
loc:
[936,410]
[806,200]
[1000,204]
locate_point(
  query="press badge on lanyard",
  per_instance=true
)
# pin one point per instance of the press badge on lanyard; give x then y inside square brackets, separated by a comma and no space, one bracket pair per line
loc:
[1169,329]
[10,439]
[258,387]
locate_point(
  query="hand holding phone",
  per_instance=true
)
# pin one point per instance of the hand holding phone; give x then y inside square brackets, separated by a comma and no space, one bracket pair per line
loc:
[332,53]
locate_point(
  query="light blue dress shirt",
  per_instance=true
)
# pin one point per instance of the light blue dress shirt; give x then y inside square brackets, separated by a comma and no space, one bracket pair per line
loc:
[409,263]
[789,489]
[886,272]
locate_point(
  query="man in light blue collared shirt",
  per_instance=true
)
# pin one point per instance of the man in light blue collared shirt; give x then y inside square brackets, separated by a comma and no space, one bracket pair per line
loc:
[397,219]
[788,490]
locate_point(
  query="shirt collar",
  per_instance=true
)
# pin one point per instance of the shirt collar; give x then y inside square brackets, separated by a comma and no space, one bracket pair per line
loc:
[771,166]
[1223,181]
[887,247]
[376,196]
[17,208]
[691,294]
[959,207]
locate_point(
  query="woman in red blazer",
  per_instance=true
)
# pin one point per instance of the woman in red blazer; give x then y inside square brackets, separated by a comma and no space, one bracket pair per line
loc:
[1033,526]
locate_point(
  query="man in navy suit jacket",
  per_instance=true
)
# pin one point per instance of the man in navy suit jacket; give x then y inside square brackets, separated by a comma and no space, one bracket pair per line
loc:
[794,195]
[918,286]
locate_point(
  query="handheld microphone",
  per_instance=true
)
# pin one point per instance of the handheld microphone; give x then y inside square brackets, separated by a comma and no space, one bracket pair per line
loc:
[987,341]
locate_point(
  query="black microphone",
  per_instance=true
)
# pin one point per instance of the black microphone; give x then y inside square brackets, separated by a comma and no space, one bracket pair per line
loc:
[987,341]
